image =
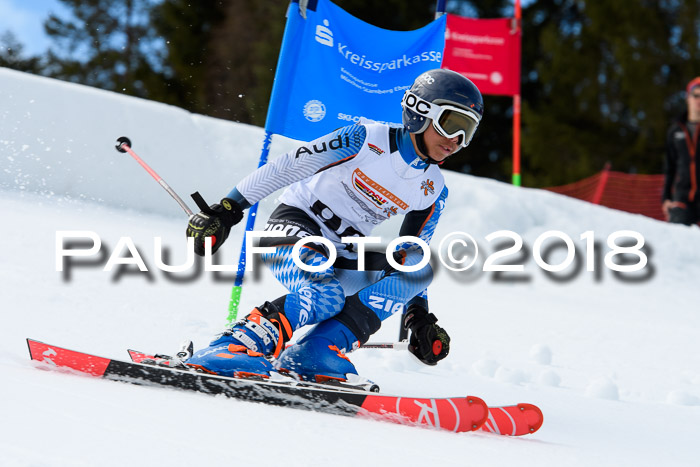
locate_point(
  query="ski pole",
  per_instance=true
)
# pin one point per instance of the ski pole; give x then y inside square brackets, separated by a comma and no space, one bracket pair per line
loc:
[403,345]
[124,145]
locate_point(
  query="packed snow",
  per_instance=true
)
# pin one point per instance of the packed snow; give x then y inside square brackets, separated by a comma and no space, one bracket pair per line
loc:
[612,358]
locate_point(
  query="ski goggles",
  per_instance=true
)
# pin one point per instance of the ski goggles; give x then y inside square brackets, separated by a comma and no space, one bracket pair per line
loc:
[449,121]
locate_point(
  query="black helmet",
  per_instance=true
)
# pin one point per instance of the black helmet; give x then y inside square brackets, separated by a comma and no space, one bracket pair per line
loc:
[450,100]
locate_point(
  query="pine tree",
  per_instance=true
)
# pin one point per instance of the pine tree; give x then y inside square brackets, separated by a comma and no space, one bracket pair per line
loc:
[12,56]
[105,43]
[601,84]
[186,28]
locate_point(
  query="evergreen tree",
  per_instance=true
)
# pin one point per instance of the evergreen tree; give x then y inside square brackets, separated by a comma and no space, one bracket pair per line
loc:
[245,48]
[602,83]
[12,56]
[105,43]
[396,15]
[186,27]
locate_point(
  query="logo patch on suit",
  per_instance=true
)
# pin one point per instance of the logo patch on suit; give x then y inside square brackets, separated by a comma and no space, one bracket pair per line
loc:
[373,191]
[375,149]
[428,187]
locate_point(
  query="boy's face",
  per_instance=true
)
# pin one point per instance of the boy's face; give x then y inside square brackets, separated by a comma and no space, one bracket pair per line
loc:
[440,147]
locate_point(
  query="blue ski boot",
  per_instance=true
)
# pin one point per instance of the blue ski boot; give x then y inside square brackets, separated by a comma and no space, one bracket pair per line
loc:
[320,357]
[241,350]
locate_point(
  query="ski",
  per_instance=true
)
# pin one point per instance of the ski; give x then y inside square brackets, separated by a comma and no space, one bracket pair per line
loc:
[457,414]
[140,357]
[512,420]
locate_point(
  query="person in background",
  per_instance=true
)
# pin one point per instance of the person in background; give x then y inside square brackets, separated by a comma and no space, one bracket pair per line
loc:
[680,195]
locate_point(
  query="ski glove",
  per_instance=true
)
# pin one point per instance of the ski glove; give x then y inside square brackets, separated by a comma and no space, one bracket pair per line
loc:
[213,221]
[429,342]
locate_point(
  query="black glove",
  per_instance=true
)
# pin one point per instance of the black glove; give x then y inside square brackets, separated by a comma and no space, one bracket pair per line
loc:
[429,342]
[213,221]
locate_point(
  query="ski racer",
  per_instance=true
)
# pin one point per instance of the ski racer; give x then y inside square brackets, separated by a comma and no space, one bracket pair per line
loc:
[681,202]
[342,185]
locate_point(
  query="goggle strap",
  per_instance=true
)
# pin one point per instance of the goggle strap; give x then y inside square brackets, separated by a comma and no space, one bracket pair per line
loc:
[421,106]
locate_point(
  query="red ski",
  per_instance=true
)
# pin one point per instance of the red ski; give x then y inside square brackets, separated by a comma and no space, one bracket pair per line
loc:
[458,414]
[511,420]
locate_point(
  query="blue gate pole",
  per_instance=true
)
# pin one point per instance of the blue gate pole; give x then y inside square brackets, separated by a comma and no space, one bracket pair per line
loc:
[439,11]
[250,223]
[440,8]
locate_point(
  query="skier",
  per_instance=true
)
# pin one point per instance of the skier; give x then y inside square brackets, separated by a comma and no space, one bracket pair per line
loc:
[343,185]
[680,199]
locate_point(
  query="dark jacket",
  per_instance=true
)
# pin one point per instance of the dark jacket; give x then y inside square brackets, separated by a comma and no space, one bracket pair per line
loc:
[681,167]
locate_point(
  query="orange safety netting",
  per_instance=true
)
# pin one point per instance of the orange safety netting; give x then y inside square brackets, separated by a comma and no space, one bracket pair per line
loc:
[638,194]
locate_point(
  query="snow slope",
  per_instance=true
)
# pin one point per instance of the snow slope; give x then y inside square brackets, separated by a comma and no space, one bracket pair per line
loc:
[613,363]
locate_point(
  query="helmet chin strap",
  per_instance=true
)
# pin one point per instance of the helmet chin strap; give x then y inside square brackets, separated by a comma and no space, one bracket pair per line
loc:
[420,142]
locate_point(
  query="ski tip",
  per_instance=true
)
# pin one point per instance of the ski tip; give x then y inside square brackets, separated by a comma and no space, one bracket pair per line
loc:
[34,345]
[29,346]
[478,421]
[514,420]
[533,415]
[475,400]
